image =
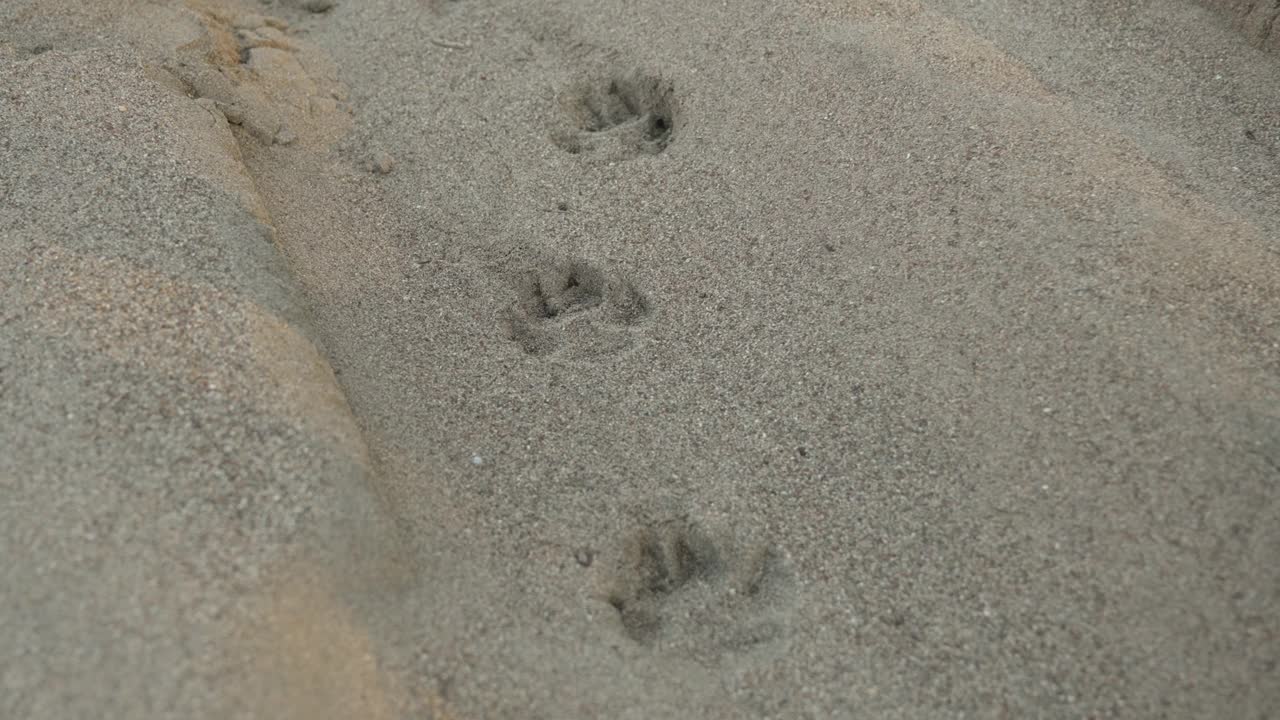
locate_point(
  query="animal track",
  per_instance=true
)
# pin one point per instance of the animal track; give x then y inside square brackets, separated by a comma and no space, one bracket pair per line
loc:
[676,587]
[621,116]
[574,304]
[567,289]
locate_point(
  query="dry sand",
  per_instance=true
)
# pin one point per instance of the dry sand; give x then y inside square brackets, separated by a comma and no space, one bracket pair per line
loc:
[568,359]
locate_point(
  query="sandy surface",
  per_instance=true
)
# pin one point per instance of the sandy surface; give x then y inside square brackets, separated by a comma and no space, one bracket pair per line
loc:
[567,359]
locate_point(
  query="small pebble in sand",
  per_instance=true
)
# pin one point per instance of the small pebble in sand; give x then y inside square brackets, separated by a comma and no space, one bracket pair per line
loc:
[477,460]
[285,136]
[380,162]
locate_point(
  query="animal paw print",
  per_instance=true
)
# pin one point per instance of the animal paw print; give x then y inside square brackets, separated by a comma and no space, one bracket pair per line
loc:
[622,116]
[677,588]
[574,306]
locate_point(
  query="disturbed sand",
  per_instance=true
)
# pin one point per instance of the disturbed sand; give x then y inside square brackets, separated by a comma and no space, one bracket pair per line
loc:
[568,359]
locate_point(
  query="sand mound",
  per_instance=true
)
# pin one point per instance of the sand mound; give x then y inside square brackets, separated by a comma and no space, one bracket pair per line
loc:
[611,359]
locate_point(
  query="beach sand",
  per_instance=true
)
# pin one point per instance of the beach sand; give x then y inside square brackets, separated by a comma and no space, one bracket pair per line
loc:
[568,359]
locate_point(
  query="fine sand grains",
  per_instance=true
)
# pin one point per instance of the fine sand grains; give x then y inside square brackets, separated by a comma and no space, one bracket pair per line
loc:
[567,359]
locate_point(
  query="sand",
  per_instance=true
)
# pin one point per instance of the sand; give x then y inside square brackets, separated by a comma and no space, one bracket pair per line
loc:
[567,359]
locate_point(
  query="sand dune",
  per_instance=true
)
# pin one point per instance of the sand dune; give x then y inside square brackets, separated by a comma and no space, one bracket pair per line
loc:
[565,359]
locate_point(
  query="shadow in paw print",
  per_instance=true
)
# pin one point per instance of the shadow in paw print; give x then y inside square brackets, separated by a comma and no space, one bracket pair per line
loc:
[677,587]
[561,290]
[574,306]
[656,564]
[619,116]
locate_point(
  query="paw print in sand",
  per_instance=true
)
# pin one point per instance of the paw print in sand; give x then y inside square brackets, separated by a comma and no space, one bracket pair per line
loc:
[677,588]
[620,116]
[574,308]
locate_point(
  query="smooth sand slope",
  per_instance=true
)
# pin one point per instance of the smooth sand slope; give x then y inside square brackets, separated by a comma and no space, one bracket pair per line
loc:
[569,359]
